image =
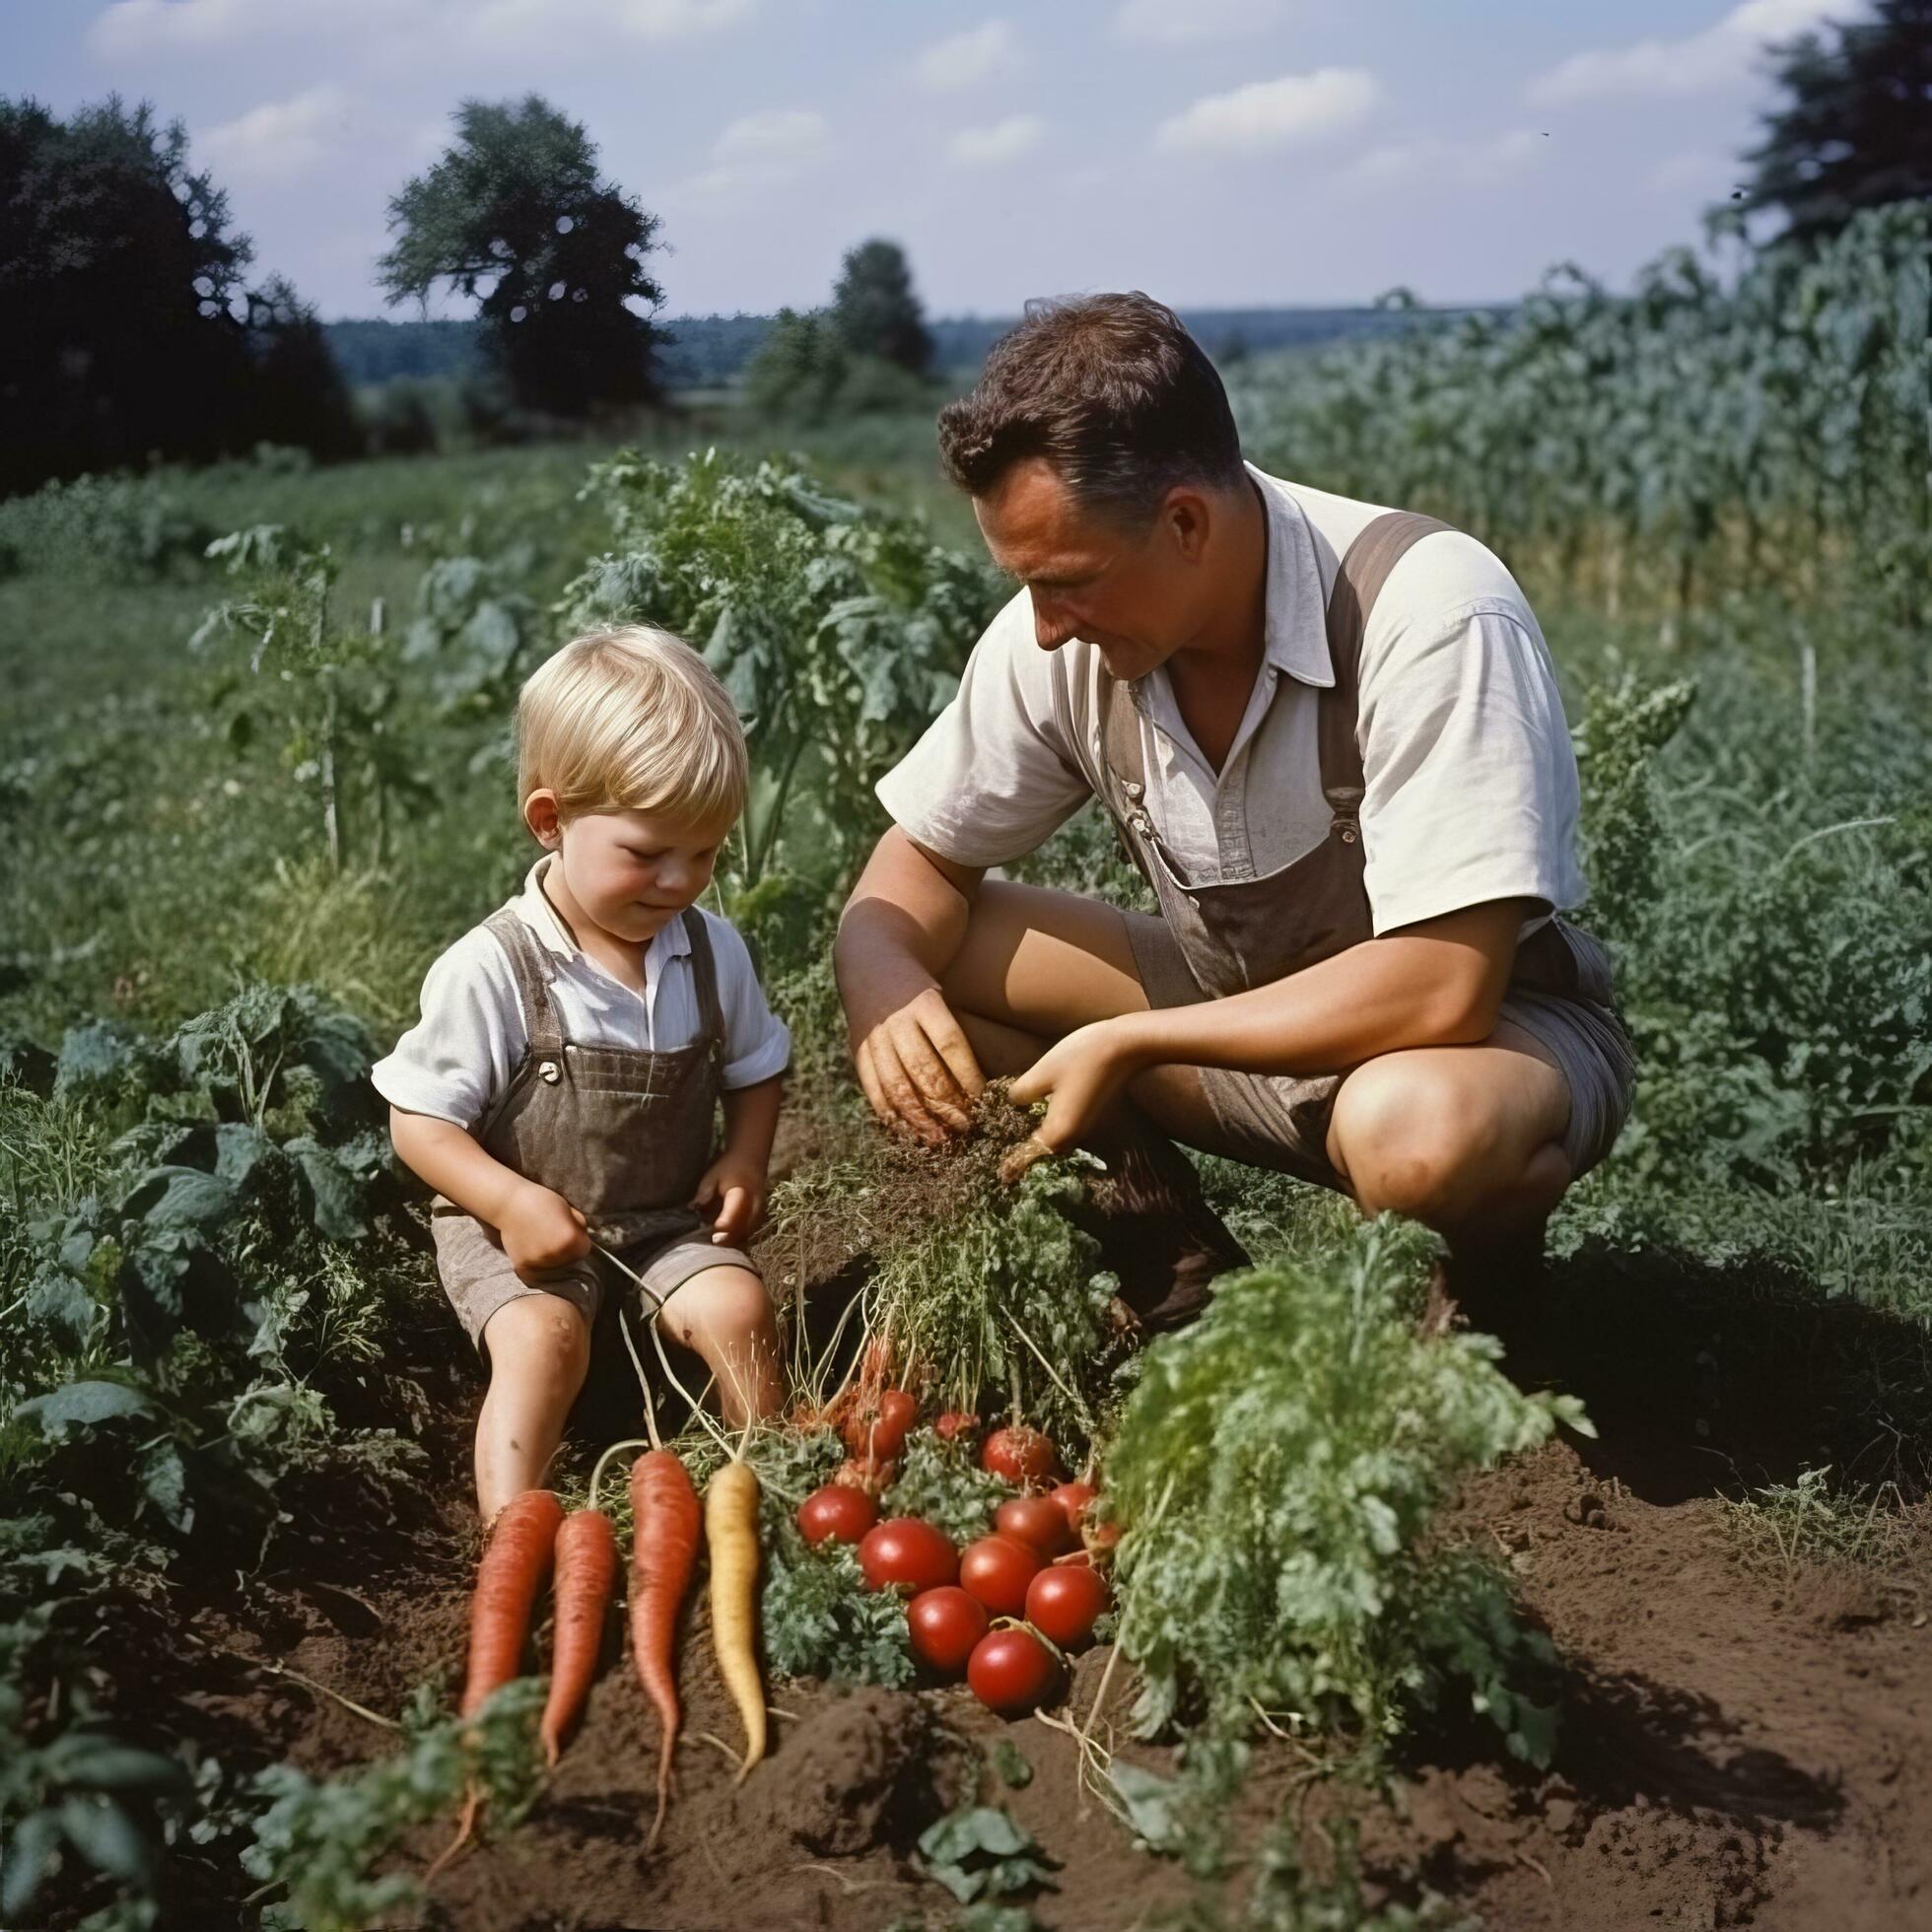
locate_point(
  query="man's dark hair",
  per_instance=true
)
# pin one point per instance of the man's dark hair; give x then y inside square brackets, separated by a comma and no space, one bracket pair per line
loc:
[1112,391]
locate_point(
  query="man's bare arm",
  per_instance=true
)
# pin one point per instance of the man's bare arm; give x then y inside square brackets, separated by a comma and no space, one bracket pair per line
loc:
[904,922]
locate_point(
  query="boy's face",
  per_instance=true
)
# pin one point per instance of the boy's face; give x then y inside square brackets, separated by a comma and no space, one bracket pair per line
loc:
[630,872]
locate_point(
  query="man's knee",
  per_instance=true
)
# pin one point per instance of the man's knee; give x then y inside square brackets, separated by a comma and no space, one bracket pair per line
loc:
[1410,1138]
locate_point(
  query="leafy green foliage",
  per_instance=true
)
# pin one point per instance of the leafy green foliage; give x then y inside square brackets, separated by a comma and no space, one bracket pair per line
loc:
[979,1852]
[321,1841]
[944,1483]
[1276,1469]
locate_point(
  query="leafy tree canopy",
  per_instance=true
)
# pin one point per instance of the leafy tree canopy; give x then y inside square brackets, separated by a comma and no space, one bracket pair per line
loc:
[874,308]
[515,217]
[1855,128]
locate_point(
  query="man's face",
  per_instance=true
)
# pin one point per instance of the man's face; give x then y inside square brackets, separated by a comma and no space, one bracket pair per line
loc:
[1136,596]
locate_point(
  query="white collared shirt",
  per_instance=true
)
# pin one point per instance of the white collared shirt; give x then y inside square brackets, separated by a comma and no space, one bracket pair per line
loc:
[1470,777]
[456,1062]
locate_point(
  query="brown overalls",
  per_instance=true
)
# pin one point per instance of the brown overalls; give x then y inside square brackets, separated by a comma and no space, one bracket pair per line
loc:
[1216,939]
[623,1134]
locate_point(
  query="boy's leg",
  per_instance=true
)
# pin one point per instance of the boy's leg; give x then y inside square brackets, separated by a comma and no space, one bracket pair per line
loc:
[724,1314]
[539,1349]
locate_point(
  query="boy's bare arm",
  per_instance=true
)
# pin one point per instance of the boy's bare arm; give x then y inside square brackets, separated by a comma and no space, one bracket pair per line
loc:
[539,1229]
[737,1179]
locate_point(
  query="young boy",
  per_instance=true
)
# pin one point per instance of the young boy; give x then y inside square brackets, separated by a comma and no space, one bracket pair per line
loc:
[562,1081]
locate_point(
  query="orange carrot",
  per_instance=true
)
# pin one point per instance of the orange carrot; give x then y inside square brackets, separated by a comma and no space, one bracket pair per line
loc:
[507,1581]
[587,1569]
[666,1522]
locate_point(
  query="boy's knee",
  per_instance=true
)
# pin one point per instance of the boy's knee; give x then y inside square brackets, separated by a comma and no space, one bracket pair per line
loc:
[719,1301]
[539,1331]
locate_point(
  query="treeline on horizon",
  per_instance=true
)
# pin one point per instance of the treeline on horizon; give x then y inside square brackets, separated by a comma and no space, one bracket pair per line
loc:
[705,351]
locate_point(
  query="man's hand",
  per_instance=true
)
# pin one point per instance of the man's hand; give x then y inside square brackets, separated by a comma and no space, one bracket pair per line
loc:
[919,1069]
[736,1184]
[541,1231]
[1078,1078]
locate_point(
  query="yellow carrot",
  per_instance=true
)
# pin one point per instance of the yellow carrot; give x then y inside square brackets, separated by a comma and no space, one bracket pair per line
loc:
[732,1531]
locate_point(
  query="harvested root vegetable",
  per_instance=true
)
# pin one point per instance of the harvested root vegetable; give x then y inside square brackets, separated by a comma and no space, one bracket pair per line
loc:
[1063,1602]
[944,1625]
[1020,1455]
[666,1525]
[587,1571]
[905,1554]
[866,1474]
[996,1571]
[1011,1670]
[1036,1521]
[731,1529]
[1075,1499]
[877,1430]
[956,1425]
[507,1583]
[837,1513]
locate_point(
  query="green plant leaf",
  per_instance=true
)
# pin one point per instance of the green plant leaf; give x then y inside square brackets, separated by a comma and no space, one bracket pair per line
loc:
[83,1406]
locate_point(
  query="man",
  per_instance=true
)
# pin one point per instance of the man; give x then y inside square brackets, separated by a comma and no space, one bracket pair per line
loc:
[1350,786]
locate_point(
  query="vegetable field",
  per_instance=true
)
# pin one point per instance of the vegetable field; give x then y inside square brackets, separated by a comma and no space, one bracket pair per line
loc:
[1609,1607]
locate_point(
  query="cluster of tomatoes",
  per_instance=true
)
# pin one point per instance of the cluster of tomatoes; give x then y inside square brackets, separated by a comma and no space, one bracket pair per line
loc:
[1005,1610]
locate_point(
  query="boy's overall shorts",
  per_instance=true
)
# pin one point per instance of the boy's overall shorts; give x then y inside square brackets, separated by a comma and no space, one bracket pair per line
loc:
[623,1135]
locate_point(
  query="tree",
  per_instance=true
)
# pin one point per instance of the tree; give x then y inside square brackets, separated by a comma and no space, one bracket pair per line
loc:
[1855,129]
[117,280]
[514,217]
[300,398]
[874,308]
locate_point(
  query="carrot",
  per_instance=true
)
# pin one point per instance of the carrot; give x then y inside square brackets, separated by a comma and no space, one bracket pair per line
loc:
[731,1529]
[666,1518]
[507,1581]
[587,1569]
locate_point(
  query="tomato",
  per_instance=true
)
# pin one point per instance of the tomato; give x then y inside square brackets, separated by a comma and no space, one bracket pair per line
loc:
[1075,1501]
[1037,1521]
[1012,1672]
[997,1569]
[836,1514]
[1064,1601]
[1020,1455]
[956,1424]
[944,1625]
[898,1411]
[903,1552]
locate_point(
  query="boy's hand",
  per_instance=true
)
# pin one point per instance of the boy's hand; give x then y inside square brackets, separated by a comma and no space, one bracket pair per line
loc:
[737,1185]
[541,1230]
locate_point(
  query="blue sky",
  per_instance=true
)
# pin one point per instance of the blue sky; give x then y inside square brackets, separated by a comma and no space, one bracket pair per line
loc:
[1212,152]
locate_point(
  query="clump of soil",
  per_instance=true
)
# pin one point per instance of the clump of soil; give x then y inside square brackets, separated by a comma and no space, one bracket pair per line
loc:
[865,1770]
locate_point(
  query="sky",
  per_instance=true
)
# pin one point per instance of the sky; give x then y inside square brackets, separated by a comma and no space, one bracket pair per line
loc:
[1215,153]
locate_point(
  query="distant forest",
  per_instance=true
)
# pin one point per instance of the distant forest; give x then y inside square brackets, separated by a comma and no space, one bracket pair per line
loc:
[705,350]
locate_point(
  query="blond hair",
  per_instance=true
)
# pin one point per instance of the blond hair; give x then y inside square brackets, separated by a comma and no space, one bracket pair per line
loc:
[631,720]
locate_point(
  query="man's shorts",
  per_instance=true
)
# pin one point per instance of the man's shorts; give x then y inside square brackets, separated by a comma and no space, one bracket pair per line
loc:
[1274,1120]
[478,1279]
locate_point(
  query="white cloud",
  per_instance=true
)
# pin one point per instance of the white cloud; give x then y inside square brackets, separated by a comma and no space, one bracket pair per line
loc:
[964,60]
[379,29]
[1720,54]
[776,135]
[1004,141]
[1176,23]
[278,139]
[1467,164]
[757,151]
[1268,115]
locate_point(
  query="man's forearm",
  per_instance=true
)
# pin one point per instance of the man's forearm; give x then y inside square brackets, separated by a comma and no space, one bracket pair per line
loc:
[1432,985]
[901,928]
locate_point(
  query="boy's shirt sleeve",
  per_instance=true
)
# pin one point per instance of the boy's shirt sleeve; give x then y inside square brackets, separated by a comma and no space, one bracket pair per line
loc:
[757,1043]
[455,1063]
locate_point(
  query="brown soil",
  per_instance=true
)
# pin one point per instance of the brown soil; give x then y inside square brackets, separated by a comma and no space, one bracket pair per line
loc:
[1743,1742]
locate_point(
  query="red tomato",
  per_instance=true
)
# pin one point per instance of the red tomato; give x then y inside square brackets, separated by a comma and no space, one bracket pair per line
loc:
[1062,1603]
[1012,1672]
[1037,1521]
[956,1424]
[1075,1501]
[836,1514]
[898,1411]
[997,1569]
[944,1625]
[903,1552]
[1022,1455]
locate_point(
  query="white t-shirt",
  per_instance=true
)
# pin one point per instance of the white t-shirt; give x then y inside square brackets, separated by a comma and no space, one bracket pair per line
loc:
[1470,777]
[456,1062]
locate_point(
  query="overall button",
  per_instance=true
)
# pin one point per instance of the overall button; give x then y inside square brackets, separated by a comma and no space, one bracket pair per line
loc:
[548,1070]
